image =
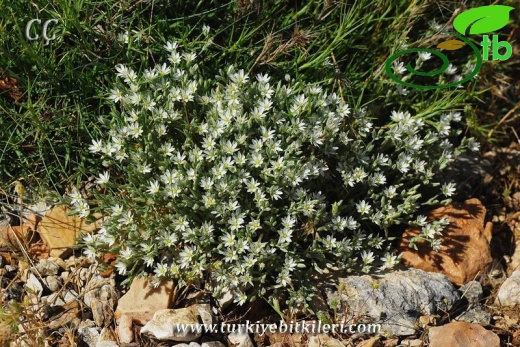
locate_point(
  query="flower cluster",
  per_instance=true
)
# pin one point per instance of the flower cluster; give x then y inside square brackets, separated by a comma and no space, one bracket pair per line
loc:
[255,181]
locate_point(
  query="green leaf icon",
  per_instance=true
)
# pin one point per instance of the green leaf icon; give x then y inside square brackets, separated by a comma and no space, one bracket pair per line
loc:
[481,20]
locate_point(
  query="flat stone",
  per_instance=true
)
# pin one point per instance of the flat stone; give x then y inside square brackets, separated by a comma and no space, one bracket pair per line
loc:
[465,253]
[462,334]
[53,283]
[60,231]
[395,300]
[177,324]
[509,292]
[142,300]
[140,303]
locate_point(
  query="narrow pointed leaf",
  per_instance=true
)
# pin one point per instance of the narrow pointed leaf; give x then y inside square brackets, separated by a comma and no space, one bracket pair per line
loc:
[481,20]
[451,45]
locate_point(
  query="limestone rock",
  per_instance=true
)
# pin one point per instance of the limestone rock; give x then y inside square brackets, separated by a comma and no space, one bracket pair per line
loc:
[90,336]
[240,338]
[53,283]
[395,300]
[462,334]
[509,292]
[465,253]
[178,324]
[47,267]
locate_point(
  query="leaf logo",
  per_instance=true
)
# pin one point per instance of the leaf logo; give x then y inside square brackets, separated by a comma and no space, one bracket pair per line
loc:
[482,19]
[451,45]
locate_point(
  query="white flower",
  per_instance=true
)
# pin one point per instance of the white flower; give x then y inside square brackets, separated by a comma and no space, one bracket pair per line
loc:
[450,70]
[122,37]
[96,146]
[117,210]
[126,253]
[367,257]
[448,189]
[103,178]
[398,67]
[171,46]
[389,261]
[163,70]
[90,252]
[154,187]
[121,268]
[424,56]
[240,77]
[161,270]
[75,197]
[363,207]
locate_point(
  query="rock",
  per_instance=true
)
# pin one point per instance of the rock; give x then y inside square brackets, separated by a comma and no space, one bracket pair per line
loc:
[53,283]
[372,342]
[60,231]
[509,292]
[323,340]
[472,291]
[412,343]
[124,329]
[240,338]
[142,300]
[393,342]
[102,305]
[69,295]
[473,312]
[34,285]
[462,334]
[65,275]
[47,267]
[514,263]
[178,324]
[107,344]
[465,253]
[212,344]
[475,315]
[140,303]
[395,300]
[194,344]
[90,336]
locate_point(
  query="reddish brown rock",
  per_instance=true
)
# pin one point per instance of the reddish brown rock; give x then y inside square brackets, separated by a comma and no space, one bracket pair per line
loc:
[462,334]
[465,253]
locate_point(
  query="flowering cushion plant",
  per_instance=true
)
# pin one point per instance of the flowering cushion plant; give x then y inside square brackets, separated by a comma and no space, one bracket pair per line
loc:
[255,181]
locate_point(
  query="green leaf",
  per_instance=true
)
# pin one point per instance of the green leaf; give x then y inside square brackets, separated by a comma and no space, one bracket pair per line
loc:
[481,20]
